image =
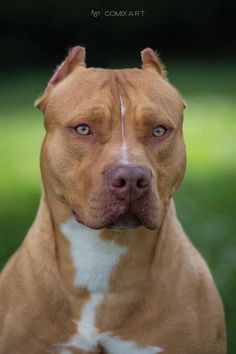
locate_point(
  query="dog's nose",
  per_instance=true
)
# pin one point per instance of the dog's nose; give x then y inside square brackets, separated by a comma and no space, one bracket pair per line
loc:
[129,181]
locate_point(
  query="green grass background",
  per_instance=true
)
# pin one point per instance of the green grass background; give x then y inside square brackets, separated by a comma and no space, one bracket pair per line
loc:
[205,201]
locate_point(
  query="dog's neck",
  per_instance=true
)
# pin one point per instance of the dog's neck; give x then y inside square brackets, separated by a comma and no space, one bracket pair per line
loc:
[99,260]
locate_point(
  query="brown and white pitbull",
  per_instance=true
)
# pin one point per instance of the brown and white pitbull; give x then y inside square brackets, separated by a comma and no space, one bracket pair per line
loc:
[106,267]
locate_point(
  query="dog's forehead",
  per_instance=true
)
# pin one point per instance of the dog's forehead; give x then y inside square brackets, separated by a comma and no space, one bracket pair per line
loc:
[106,87]
[148,87]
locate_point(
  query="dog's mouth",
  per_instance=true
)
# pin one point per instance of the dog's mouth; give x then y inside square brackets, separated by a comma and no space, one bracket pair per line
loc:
[126,220]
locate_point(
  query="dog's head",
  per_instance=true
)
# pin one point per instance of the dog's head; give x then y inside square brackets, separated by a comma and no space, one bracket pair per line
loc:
[114,150]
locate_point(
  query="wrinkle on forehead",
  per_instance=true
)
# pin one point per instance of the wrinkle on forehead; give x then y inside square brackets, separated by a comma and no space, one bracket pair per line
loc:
[151,96]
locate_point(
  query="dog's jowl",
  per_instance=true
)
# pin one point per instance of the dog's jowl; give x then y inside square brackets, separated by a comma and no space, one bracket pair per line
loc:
[106,266]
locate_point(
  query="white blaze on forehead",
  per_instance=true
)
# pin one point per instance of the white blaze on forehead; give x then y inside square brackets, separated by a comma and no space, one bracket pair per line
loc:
[122,107]
[123,149]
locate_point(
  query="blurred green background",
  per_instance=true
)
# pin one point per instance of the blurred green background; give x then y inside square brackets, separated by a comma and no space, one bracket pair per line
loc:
[198,45]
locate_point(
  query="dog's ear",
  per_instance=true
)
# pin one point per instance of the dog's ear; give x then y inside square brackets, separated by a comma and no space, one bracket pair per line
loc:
[76,57]
[150,60]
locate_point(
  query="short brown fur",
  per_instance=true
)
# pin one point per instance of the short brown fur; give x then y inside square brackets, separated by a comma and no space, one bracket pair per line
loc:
[161,293]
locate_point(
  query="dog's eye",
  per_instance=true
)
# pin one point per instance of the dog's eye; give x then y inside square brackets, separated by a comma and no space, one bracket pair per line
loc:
[159,131]
[83,129]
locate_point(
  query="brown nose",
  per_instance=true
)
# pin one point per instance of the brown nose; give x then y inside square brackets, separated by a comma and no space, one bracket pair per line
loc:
[130,181]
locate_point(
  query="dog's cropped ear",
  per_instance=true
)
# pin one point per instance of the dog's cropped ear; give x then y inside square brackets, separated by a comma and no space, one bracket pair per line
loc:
[76,57]
[150,60]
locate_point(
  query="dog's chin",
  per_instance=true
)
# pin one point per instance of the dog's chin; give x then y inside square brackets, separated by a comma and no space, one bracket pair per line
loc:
[124,221]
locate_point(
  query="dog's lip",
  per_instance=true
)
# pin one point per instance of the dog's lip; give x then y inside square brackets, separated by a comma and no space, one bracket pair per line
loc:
[76,215]
[125,220]
[122,218]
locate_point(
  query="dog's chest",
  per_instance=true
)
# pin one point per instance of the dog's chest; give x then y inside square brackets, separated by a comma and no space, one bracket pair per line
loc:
[94,261]
[93,258]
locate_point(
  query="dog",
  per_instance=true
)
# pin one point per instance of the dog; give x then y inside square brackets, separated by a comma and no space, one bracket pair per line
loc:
[106,266]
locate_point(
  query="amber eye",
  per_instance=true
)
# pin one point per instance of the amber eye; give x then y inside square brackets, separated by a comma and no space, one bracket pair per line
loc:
[159,131]
[83,129]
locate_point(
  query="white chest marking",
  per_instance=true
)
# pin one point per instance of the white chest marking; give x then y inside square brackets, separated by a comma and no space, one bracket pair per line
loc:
[94,259]
[123,149]
[65,351]
[115,345]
